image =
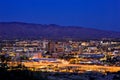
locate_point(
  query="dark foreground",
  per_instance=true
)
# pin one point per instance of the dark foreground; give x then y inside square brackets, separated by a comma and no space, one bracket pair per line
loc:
[36,75]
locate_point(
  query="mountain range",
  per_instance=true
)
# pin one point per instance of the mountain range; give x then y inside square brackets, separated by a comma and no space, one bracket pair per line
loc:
[21,30]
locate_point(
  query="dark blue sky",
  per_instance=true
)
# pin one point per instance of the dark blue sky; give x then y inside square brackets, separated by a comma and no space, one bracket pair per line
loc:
[101,14]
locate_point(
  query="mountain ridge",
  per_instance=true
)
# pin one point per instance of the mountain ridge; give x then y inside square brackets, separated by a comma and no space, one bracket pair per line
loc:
[21,30]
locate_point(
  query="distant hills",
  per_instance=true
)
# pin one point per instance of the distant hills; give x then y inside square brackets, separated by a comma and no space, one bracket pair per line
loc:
[20,30]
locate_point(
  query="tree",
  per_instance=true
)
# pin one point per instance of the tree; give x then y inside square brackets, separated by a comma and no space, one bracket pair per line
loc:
[4,60]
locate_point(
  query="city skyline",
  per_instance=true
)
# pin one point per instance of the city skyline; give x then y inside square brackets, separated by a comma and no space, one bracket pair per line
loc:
[59,39]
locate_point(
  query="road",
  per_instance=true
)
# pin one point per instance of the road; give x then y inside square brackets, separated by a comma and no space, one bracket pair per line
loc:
[81,67]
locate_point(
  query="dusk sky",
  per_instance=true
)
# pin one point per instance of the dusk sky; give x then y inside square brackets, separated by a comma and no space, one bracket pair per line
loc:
[100,14]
